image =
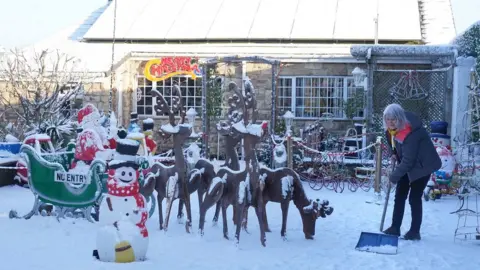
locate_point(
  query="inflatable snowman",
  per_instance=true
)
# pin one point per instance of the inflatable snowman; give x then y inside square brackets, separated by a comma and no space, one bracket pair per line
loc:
[441,179]
[124,236]
[445,174]
[133,127]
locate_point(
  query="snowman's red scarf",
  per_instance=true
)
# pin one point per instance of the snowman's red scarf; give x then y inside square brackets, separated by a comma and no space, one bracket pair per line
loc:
[132,190]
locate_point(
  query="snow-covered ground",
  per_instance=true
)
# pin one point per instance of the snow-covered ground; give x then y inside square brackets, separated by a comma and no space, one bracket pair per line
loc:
[43,243]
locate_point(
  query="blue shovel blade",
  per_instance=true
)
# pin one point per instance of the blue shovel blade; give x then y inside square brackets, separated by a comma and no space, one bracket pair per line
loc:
[377,243]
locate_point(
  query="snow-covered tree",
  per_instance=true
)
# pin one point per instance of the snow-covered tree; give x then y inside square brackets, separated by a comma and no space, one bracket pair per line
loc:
[37,89]
[469,43]
[469,46]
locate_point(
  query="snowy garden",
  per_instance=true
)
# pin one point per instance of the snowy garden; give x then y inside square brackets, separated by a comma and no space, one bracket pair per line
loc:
[80,191]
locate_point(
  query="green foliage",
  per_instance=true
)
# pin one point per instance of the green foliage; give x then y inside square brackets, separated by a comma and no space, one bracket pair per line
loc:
[214,95]
[280,127]
[354,104]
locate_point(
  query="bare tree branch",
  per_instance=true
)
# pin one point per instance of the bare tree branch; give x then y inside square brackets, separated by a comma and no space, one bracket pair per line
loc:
[39,86]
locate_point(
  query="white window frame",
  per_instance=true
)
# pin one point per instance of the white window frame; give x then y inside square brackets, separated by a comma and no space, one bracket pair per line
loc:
[154,115]
[294,94]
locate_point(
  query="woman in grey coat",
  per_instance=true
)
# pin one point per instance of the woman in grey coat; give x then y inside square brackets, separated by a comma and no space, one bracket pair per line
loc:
[417,159]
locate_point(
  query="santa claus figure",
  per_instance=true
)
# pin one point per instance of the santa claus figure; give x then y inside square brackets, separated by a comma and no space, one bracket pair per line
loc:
[148,132]
[93,137]
[124,236]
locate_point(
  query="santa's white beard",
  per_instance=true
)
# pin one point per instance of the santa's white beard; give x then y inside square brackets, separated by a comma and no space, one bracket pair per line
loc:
[102,133]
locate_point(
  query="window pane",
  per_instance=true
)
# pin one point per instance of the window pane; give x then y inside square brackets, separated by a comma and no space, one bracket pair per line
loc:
[322,94]
[191,91]
[284,95]
[149,110]
[148,100]
[140,110]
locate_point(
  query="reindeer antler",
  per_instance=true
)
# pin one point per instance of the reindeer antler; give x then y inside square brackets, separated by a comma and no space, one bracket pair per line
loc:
[177,105]
[250,101]
[236,104]
[235,111]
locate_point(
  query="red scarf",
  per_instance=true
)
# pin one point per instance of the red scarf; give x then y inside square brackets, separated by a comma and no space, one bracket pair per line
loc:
[402,134]
[132,190]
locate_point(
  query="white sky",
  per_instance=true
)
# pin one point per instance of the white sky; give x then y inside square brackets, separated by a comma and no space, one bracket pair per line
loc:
[23,22]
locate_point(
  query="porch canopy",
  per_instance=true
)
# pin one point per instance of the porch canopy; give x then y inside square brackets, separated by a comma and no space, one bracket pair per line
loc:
[236,59]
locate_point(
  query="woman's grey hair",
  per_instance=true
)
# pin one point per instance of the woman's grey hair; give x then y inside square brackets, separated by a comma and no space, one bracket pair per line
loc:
[395,111]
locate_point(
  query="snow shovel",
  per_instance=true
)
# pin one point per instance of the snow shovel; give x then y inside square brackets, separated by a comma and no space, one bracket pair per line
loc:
[379,242]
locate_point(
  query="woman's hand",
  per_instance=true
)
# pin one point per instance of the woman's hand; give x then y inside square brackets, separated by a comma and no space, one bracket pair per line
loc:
[393,159]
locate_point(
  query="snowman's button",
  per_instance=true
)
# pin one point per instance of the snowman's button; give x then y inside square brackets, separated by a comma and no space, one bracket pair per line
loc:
[126,199]
[127,214]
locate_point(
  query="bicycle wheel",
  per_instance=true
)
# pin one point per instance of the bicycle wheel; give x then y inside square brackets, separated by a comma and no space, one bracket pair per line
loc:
[339,186]
[352,184]
[315,183]
[366,184]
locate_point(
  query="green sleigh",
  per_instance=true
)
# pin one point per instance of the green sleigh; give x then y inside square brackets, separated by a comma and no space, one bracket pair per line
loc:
[66,197]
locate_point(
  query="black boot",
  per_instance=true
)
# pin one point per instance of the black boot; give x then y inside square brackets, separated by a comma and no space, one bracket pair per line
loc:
[95,254]
[414,236]
[392,231]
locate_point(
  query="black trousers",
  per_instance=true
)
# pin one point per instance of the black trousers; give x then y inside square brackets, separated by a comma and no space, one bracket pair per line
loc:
[415,199]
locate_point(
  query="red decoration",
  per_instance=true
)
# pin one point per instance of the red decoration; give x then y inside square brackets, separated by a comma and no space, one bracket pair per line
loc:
[87,112]
[87,145]
[151,145]
[112,143]
[173,64]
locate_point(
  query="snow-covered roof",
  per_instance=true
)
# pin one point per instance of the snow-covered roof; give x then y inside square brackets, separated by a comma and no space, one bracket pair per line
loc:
[437,22]
[225,20]
[97,57]
[259,19]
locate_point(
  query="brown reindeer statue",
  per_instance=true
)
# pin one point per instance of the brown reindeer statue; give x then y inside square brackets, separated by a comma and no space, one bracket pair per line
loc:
[204,172]
[171,181]
[284,185]
[242,188]
[231,136]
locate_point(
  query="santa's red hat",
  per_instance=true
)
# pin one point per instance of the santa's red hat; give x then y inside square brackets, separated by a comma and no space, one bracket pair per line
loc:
[87,113]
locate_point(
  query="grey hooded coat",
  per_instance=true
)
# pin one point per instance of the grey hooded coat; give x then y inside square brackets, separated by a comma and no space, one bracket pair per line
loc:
[416,154]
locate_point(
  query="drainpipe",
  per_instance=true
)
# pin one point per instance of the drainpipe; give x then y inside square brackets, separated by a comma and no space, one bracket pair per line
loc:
[120,99]
[369,90]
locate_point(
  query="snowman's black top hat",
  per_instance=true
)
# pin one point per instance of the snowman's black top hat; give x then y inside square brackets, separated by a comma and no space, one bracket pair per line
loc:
[125,154]
[133,116]
[147,125]
[122,133]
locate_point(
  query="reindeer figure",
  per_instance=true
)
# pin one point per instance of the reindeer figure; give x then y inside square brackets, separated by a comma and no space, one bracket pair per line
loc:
[231,135]
[282,186]
[171,181]
[242,188]
[279,155]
